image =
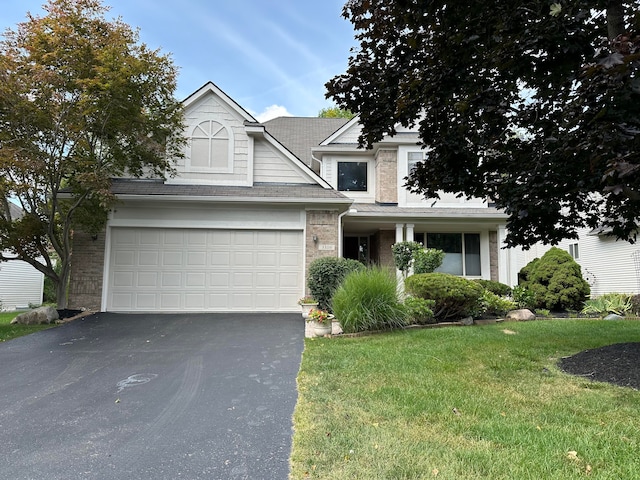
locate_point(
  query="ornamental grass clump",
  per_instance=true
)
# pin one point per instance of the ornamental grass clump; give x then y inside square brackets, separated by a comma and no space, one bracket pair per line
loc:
[368,300]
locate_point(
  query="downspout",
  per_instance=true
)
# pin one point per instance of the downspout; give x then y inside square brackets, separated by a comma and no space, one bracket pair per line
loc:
[340,229]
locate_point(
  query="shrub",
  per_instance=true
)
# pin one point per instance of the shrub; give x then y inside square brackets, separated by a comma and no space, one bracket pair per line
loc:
[500,289]
[426,260]
[419,310]
[556,281]
[325,275]
[453,296]
[618,303]
[403,254]
[523,297]
[635,305]
[368,300]
[492,304]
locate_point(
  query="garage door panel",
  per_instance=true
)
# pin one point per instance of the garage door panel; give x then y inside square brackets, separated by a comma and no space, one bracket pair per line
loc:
[124,258]
[204,270]
[171,259]
[149,237]
[147,279]
[196,280]
[267,259]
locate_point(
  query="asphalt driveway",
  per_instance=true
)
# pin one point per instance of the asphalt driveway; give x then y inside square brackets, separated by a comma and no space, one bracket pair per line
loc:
[193,396]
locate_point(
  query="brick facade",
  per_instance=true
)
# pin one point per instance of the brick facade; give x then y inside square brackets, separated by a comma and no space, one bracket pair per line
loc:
[385,239]
[387,176]
[323,226]
[87,265]
[493,255]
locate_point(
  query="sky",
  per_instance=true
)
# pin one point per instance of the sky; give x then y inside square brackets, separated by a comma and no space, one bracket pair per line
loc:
[273,57]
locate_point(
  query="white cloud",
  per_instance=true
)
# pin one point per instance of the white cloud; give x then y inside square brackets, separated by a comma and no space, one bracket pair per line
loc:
[272,111]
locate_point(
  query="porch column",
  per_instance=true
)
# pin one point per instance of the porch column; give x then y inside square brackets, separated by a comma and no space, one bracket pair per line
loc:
[506,271]
[410,232]
[399,232]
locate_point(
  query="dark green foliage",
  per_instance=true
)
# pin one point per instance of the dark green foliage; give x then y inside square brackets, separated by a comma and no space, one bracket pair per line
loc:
[454,296]
[520,102]
[523,297]
[426,260]
[403,253]
[367,300]
[325,275]
[635,305]
[555,281]
[419,310]
[498,288]
[495,305]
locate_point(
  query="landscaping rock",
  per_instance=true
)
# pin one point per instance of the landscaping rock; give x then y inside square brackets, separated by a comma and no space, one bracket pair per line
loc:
[522,315]
[467,321]
[42,315]
[613,316]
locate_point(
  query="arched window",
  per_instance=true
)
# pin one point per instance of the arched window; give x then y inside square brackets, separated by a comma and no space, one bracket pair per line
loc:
[210,146]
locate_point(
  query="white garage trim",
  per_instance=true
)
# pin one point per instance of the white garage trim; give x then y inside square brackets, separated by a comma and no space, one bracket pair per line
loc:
[182,269]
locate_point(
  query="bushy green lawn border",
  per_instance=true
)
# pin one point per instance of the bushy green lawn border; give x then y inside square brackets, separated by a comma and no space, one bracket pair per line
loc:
[464,403]
[8,331]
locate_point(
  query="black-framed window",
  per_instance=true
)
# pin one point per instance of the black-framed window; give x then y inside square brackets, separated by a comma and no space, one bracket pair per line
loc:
[352,176]
[462,251]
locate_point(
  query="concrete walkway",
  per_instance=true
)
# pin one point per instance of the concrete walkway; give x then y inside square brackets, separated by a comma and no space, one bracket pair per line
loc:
[194,396]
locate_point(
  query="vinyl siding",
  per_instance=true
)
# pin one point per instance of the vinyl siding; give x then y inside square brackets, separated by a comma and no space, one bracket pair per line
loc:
[270,167]
[20,285]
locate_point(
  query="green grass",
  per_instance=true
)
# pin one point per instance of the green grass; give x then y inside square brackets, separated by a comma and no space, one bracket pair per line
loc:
[8,331]
[381,407]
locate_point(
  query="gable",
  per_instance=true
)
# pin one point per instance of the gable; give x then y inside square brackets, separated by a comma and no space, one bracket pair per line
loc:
[270,166]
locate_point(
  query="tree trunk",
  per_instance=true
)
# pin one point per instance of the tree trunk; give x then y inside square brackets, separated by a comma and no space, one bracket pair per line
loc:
[61,286]
[615,18]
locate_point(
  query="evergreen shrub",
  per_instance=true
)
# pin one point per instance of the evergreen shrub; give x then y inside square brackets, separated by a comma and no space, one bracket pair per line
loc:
[325,276]
[556,281]
[454,296]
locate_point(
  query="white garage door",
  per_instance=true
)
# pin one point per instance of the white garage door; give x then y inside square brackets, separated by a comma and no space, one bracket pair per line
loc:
[173,270]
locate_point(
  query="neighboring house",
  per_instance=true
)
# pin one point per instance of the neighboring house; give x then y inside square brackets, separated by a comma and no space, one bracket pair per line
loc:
[607,265]
[21,285]
[254,204]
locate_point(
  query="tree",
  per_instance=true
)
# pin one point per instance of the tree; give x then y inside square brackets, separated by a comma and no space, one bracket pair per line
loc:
[335,112]
[81,102]
[533,105]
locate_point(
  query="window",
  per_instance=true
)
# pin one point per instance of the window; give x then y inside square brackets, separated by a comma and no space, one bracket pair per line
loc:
[573,251]
[413,159]
[210,146]
[352,176]
[462,252]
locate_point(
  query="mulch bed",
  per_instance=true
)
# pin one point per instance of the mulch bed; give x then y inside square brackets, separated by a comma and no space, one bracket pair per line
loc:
[618,364]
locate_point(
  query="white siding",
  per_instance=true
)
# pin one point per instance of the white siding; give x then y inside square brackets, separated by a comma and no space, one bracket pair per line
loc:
[210,107]
[607,264]
[350,136]
[270,166]
[20,285]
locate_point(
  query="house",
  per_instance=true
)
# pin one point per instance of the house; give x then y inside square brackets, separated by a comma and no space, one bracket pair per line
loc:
[21,285]
[254,204]
[608,265]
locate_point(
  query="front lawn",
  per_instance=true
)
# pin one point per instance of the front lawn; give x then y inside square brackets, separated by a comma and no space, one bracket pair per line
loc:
[8,331]
[464,403]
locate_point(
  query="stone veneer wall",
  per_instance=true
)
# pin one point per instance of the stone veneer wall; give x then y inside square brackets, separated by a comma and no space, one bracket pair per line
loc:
[386,239]
[87,265]
[387,176]
[324,225]
[493,255]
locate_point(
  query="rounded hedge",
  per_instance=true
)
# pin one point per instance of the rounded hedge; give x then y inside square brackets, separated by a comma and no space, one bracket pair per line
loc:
[556,281]
[454,297]
[500,289]
[325,275]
